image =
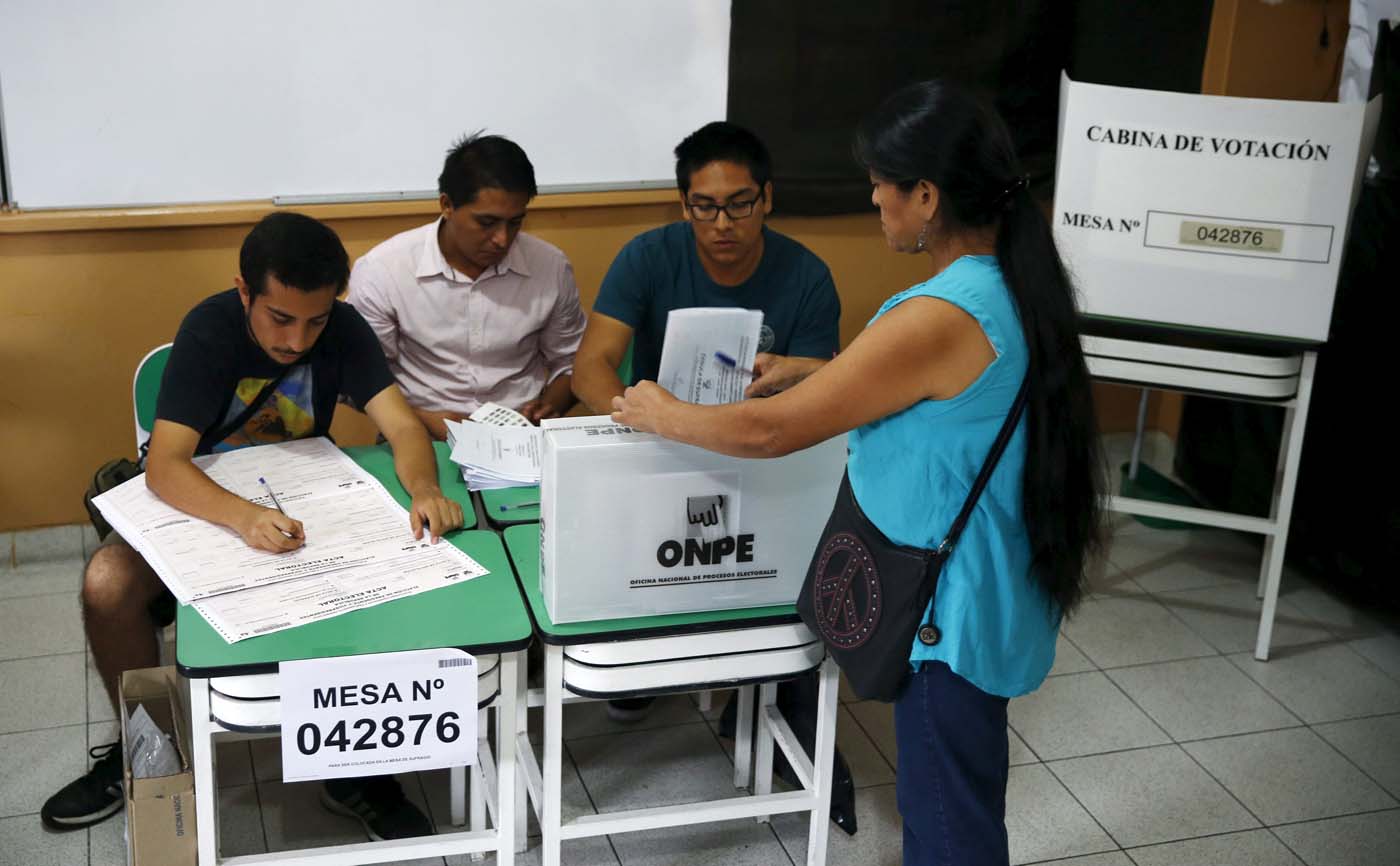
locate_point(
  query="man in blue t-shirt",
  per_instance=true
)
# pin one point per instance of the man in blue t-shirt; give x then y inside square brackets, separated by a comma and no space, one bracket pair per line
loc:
[721,255]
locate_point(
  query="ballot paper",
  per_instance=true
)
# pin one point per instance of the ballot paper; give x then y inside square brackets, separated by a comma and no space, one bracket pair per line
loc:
[262,610]
[494,456]
[690,367]
[357,535]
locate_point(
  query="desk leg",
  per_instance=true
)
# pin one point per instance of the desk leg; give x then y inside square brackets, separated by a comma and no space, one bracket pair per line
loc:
[509,706]
[522,726]
[763,746]
[553,753]
[476,802]
[1295,422]
[202,733]
[823,758]
[743,736]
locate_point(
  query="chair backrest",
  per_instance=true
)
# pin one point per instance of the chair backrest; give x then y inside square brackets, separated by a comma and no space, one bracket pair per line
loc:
[145,386]
[624,370]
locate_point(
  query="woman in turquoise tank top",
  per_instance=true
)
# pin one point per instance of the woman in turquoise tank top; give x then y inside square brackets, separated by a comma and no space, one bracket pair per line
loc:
[923,390]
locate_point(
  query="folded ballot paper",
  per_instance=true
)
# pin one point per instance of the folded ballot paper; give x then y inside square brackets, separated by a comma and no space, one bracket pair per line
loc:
[359,549]
[708,353]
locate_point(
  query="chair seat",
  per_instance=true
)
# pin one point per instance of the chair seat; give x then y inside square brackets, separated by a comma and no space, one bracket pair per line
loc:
[252,703]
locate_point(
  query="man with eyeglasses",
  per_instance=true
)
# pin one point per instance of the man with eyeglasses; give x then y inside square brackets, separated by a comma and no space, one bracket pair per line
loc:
[720,255]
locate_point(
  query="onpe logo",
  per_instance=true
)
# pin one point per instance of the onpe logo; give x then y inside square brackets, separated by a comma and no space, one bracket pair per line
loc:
[847,599]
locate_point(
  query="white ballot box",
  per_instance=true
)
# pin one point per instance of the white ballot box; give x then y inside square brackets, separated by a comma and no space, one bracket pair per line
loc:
[1208,211]
[632,524]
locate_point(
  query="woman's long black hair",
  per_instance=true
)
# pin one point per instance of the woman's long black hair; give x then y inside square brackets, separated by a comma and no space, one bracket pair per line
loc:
[939,132]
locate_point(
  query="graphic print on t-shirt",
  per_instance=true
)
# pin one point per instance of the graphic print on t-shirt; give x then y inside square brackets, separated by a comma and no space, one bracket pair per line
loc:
[287,413]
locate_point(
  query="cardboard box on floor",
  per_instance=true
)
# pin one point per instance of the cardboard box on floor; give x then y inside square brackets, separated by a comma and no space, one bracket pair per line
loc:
[160,824]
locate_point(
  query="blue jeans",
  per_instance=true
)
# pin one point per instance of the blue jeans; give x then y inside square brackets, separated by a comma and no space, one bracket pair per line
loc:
[951,778]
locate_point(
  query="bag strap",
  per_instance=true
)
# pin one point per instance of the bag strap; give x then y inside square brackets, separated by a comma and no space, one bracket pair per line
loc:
[231,427]
[989,465]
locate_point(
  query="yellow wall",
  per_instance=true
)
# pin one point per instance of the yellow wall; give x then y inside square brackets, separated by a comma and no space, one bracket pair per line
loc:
[84,295]
[81,304]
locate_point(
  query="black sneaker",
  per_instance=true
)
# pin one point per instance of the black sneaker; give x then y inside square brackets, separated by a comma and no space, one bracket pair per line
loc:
[90,798]
[378,803]
[629,710]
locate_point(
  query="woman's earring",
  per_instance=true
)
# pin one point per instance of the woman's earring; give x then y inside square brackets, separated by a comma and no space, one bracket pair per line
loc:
[922,243]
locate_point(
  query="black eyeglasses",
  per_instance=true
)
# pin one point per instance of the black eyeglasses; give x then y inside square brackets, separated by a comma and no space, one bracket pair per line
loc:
[735,210]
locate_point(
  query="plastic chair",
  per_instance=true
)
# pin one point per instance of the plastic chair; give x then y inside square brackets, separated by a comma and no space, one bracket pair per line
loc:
[145,387]
[624,370]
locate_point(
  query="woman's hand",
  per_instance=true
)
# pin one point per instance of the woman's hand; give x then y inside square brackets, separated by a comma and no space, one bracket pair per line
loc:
[643,406]
[776,373]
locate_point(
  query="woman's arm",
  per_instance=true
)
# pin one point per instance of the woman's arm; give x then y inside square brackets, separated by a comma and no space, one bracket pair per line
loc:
[924,348]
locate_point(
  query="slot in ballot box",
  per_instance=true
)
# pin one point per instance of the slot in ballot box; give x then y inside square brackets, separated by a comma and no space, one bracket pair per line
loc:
[632,524]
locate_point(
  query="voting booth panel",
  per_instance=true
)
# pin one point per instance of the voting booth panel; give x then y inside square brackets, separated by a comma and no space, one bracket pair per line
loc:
[634,525]
[1207,211]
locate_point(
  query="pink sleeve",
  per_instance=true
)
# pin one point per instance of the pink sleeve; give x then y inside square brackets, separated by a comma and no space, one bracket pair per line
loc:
[562,333]
[370,292]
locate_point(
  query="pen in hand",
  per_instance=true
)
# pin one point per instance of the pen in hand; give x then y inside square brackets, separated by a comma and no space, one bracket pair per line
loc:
[729,361]
[273,497]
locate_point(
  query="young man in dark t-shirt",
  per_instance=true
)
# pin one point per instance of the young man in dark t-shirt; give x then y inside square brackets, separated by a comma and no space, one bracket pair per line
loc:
[282,341]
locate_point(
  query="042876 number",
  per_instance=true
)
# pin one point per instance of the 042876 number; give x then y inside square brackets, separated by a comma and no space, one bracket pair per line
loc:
[1246,238]
[390,733]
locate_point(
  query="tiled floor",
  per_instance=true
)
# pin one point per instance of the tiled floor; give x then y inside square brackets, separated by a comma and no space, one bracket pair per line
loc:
[1157,741]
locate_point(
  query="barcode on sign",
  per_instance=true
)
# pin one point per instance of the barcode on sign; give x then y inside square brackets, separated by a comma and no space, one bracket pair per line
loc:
[453,663]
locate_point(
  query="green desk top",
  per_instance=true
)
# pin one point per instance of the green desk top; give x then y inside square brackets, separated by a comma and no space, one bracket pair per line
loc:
[481,615]
[492,500]
[523,544]
[378,461]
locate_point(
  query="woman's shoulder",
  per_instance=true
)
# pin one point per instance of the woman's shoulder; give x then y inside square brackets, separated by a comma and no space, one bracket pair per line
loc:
[969,281]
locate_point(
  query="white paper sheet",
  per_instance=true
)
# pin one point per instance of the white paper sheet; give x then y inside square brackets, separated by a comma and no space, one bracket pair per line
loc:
[266,609]
[359,548]
[496,456]
[689,367]
[500,416]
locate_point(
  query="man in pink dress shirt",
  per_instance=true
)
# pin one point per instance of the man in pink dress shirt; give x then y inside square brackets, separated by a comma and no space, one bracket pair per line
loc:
[469,309]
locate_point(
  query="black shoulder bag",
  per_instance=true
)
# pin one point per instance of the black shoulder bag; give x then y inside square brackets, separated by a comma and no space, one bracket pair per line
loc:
[116,472]
[864,595]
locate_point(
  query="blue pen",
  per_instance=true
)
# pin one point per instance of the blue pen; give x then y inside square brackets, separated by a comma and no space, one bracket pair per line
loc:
[273,496]
[534,504]
[728,361]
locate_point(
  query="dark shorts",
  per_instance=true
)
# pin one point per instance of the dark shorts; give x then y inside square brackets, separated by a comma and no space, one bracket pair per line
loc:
[162,608]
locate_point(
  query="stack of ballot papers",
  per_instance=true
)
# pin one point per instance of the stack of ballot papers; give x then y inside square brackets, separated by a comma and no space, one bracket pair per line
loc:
[494,456]
[708,353]
[359,549]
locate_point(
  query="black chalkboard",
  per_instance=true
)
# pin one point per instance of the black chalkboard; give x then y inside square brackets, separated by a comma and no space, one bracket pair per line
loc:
[802,74]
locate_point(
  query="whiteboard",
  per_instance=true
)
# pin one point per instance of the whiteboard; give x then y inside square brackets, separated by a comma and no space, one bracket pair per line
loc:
[165,101]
